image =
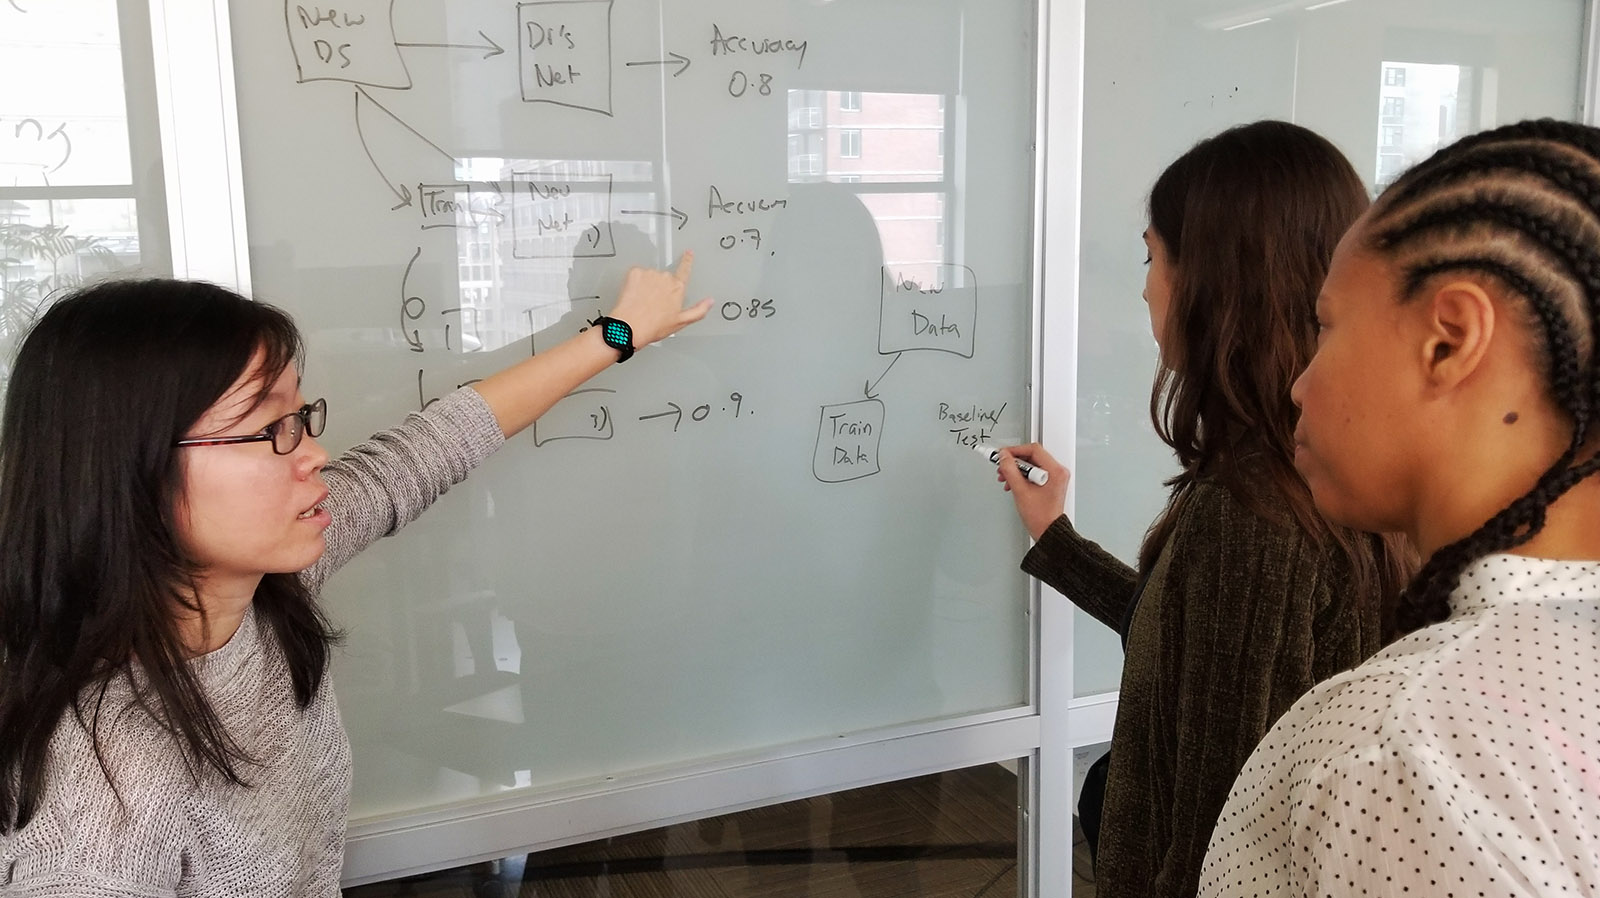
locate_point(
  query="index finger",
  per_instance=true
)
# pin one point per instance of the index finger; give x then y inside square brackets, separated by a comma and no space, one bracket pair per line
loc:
[685,265]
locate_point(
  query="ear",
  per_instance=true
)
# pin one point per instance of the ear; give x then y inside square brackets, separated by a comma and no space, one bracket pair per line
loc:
[1458,328]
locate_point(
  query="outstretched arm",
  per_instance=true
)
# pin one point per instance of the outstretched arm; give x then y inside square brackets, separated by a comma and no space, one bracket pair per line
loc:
[651,303]
[385,482]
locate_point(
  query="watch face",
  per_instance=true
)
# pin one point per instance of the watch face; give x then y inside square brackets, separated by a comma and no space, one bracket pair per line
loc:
[618,334]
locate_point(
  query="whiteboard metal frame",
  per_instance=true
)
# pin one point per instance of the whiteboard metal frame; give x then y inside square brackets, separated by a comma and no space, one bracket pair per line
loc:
[483,830]
[205,204]
[1056,280]
[199,114]
[1591,63]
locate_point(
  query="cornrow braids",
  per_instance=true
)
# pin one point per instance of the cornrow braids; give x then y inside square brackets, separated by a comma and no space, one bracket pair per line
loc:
[1519,205]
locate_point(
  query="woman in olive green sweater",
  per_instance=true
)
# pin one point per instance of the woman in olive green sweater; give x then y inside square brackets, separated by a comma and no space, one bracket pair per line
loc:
[1244,598]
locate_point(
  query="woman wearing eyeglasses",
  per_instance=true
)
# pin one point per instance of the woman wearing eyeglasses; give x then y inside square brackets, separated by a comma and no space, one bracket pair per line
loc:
[166,722]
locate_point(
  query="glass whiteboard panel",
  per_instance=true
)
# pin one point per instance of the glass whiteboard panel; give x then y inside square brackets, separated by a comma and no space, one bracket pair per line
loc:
[1387,82]
[770,528]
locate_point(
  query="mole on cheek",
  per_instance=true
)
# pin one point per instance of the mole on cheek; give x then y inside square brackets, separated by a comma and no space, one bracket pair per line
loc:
[1510,418]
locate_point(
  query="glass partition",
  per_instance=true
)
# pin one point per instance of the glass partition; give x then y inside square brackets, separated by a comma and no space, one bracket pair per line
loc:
[1386,81]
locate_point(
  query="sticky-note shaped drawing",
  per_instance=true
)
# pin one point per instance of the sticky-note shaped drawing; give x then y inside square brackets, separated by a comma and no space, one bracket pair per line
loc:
[561,218]
[352,42]
[936,312]
[847,441]
[582,415]
[564,53]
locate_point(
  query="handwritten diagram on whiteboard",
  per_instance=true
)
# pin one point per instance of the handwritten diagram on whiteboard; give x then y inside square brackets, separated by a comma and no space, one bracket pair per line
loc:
[765,529]
[564,53]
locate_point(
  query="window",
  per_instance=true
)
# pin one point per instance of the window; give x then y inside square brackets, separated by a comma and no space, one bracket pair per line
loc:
[1393,135]
[849,101]
[850,143]
[805,155]
[805,165]
[81,191]
[1394,76]
[805,118]
[1393,107]
[908,148]
[1390,165]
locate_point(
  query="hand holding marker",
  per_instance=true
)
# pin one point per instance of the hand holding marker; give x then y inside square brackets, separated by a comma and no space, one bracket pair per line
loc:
[1037,484]
[1036,475]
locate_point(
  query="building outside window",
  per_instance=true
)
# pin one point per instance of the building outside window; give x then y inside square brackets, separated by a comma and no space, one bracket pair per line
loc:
[850,143]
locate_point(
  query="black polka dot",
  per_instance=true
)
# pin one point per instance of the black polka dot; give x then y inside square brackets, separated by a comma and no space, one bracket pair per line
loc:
[1449,757]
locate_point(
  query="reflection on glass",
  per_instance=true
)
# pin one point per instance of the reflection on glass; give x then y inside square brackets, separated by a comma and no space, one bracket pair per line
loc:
[852,136]
[527,231]
[1421,108]
[880,141]
[949,833]
[1388,83]
[911,227]
[52,245]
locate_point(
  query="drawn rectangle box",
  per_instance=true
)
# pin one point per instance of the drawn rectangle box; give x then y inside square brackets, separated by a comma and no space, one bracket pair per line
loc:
[564,53]
[458,205]
[352,42]
[847,441]
[582,415]
[561,218]
[939,315]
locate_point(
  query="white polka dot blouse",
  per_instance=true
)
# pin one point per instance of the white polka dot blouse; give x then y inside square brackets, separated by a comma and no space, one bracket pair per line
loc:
[1463,760]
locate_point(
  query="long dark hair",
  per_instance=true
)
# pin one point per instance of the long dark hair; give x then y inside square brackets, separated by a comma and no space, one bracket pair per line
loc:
[1519,205]
[95,576]
[1249,219]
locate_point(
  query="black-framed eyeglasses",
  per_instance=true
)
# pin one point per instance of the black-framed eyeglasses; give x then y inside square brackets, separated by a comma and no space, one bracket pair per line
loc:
[284,433]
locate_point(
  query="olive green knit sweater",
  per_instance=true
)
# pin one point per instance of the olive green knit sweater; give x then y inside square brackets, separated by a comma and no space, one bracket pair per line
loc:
[1240,617]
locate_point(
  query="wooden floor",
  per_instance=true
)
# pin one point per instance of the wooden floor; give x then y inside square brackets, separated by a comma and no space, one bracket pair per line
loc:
[951,835]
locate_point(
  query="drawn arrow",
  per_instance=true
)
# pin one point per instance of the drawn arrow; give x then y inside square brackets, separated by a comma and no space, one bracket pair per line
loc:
[493,49]
[681,218]
[677,410]
[872,384]
[413,339]
[401,192]
[682,62]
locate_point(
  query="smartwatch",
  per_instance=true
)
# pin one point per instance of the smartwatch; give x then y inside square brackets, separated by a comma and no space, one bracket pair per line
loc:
[617,335]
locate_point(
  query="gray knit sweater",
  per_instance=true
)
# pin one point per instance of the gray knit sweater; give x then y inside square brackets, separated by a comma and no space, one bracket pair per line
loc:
[284,834]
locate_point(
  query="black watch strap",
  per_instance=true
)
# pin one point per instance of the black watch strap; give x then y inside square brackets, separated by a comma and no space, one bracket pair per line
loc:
[616,334]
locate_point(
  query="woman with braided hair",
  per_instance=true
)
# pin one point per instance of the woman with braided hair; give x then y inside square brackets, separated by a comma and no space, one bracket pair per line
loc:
[1453,397]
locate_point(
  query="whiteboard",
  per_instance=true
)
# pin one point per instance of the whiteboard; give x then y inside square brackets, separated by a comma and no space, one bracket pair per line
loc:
[1160,76]
[767,530]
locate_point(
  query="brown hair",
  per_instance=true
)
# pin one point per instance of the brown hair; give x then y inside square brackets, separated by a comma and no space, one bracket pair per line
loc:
[1250,219]
[1520,207]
